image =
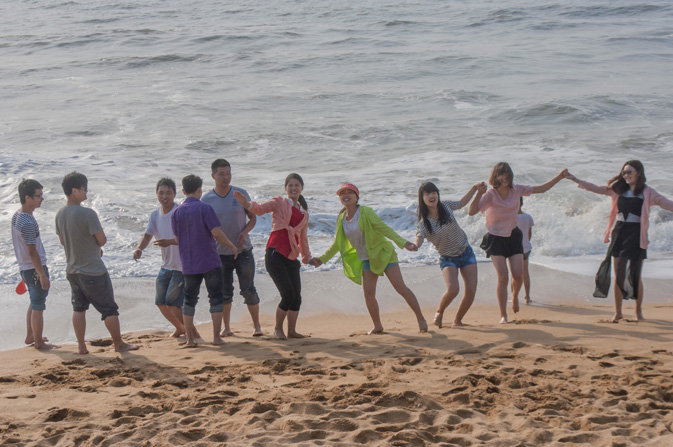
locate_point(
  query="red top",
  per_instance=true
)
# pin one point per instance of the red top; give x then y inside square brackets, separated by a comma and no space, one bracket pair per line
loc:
[280,239]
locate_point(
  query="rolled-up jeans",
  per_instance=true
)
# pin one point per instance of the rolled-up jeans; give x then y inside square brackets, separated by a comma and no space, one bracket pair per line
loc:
[214,285]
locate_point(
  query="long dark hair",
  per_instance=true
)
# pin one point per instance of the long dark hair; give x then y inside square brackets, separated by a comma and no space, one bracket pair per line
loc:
[444,217]
[301,199]
[619,185]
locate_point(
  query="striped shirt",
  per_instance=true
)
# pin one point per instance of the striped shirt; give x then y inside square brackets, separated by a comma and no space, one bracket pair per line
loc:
[449,239]
[25,232]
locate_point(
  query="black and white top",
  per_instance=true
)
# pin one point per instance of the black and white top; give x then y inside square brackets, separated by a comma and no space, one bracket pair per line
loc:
[449,239]
[25,231]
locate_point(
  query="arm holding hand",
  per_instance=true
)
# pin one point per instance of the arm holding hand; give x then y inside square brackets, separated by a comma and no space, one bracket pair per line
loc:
[474,206]
[548,185]
[468,195]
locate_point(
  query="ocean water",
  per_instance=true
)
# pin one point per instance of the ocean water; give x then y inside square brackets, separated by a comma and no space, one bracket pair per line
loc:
[382,94]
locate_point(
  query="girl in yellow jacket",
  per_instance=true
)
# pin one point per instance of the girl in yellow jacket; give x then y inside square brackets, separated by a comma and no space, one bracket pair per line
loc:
[367,254]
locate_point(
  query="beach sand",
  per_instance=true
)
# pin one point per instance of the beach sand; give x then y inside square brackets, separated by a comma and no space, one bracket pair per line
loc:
[559,374]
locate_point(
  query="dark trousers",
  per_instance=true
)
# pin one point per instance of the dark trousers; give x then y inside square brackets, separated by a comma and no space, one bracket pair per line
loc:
[214,283]
[285,275]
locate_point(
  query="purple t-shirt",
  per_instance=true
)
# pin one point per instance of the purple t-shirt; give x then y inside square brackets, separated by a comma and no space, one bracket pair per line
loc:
[192,223]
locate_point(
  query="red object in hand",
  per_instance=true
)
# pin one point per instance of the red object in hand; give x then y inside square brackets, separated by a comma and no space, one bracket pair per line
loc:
[21,288]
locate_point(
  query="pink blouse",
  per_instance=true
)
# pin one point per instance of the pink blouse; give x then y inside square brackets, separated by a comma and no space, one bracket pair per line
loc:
[501,214]
[281,210]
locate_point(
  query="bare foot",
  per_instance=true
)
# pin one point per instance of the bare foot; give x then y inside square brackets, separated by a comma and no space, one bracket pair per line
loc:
[295,335]
[375,330]
[515,305]
[178,333]
[437,321]
[191,344]
[639,315]
[195,334]
[617,317]
[45,346]
[124,347]
[258,332]
[527,300]
[459,324]
[82,350]
[30,340]
[278,334]
[217,341]
[422,326]
[503,320]
[226,333]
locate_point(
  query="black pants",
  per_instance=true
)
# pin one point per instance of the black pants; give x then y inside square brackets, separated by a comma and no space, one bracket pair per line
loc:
[285,275]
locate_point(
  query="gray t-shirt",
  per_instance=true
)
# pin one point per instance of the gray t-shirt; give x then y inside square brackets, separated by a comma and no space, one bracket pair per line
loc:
[76,225]
[232,217]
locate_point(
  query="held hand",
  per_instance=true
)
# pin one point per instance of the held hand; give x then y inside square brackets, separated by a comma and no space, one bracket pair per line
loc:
[137,254]
[241,199]
[568,175]
[411,246]
[240,241]
[315,262]
[164,242]
[564,173]
[481,188]
[234,250]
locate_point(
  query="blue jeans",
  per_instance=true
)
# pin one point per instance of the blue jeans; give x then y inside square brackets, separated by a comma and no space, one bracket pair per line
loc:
[214,284]
[170,288]
[465,259]
[244,264]
[38,297]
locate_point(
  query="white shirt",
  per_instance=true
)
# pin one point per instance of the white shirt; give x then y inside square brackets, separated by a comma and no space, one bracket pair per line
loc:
[160,227]
[355,236]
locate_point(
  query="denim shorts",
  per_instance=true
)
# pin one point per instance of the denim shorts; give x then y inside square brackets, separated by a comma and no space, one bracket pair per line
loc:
[365,265]
[38,297]
[170,288]
[467,258]
[92,290]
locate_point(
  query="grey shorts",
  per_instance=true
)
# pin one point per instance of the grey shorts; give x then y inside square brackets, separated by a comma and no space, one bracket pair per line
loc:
[92,290]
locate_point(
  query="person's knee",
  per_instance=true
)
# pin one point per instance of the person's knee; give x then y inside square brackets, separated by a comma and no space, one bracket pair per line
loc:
[503,277]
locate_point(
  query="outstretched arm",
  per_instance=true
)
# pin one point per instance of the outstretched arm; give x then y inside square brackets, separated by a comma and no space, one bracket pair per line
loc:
[604,190]
[468,195]
[548,185]
[474,206]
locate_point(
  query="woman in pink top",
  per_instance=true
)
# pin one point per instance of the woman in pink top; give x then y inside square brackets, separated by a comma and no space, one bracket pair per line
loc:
[627,229]
[287,240]
[504,239]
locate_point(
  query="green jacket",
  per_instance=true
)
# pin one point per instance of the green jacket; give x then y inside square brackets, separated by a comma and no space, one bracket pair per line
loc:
[379,249]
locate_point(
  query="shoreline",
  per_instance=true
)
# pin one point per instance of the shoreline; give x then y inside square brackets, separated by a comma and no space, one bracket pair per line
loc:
[324,293]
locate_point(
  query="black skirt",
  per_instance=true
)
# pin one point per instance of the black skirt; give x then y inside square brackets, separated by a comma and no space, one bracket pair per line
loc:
[503,246]
[628,258]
